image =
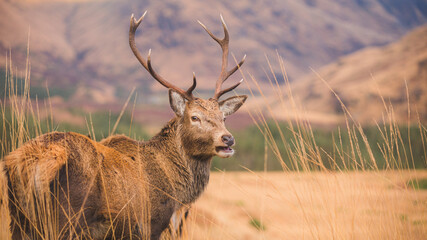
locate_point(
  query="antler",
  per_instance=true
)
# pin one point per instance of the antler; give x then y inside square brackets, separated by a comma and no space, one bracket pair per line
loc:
[147,64]
[224,73]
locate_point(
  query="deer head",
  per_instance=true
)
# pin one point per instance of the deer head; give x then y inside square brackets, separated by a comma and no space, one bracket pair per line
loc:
[202,122]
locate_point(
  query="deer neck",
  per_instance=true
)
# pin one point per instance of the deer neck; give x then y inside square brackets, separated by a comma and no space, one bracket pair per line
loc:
[192,171]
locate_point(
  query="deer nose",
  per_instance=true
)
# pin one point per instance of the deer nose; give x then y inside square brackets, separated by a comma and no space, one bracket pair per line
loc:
[228,140]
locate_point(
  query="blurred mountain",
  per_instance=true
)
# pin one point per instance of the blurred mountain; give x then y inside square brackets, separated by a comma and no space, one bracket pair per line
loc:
[369,82]
[83,45]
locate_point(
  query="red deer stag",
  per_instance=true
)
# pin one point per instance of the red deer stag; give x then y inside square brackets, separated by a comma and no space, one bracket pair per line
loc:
[119,187]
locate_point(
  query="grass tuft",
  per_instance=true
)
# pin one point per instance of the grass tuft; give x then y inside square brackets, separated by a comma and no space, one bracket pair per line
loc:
[256,223]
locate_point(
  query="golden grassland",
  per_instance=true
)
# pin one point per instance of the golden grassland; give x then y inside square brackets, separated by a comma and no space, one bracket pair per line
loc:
[311,205]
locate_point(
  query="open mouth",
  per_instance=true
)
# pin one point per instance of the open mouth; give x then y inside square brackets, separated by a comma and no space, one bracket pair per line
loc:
[224,149]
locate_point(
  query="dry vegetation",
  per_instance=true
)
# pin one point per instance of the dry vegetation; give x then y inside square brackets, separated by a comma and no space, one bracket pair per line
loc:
[309,203]
[320,205]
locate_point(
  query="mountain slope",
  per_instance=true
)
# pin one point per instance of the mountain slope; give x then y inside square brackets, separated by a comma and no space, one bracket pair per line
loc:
[363,80]
[84,44]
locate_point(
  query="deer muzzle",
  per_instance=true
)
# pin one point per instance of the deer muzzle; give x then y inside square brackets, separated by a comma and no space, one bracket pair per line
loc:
[226,151]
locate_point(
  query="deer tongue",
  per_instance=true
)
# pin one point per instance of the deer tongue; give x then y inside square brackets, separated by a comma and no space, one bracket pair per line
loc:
[224,149]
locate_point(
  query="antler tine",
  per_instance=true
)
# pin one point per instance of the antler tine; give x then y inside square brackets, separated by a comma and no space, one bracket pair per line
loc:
[147,64]
[190,89]
[235,68]
[228,89]
[224,73]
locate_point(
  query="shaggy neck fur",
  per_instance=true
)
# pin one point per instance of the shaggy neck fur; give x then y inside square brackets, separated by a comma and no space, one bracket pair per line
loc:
[192,171]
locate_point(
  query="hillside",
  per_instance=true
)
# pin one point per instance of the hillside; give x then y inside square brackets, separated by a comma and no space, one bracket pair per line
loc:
[366,82]
[82,45]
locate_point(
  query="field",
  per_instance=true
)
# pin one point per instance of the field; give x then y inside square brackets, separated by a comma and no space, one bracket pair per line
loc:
[319,205]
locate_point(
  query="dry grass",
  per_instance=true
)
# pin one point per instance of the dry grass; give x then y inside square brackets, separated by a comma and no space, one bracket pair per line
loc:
[321,205]
[305,201]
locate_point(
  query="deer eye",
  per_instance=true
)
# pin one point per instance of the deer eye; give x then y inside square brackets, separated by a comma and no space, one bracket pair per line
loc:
[195,118]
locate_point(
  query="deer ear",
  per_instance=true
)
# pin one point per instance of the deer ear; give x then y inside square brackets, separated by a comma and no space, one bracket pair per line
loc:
[177,102]
[232,104]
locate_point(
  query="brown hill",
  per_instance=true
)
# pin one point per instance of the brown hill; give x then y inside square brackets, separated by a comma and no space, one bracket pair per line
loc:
[363,80]
[82,45]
